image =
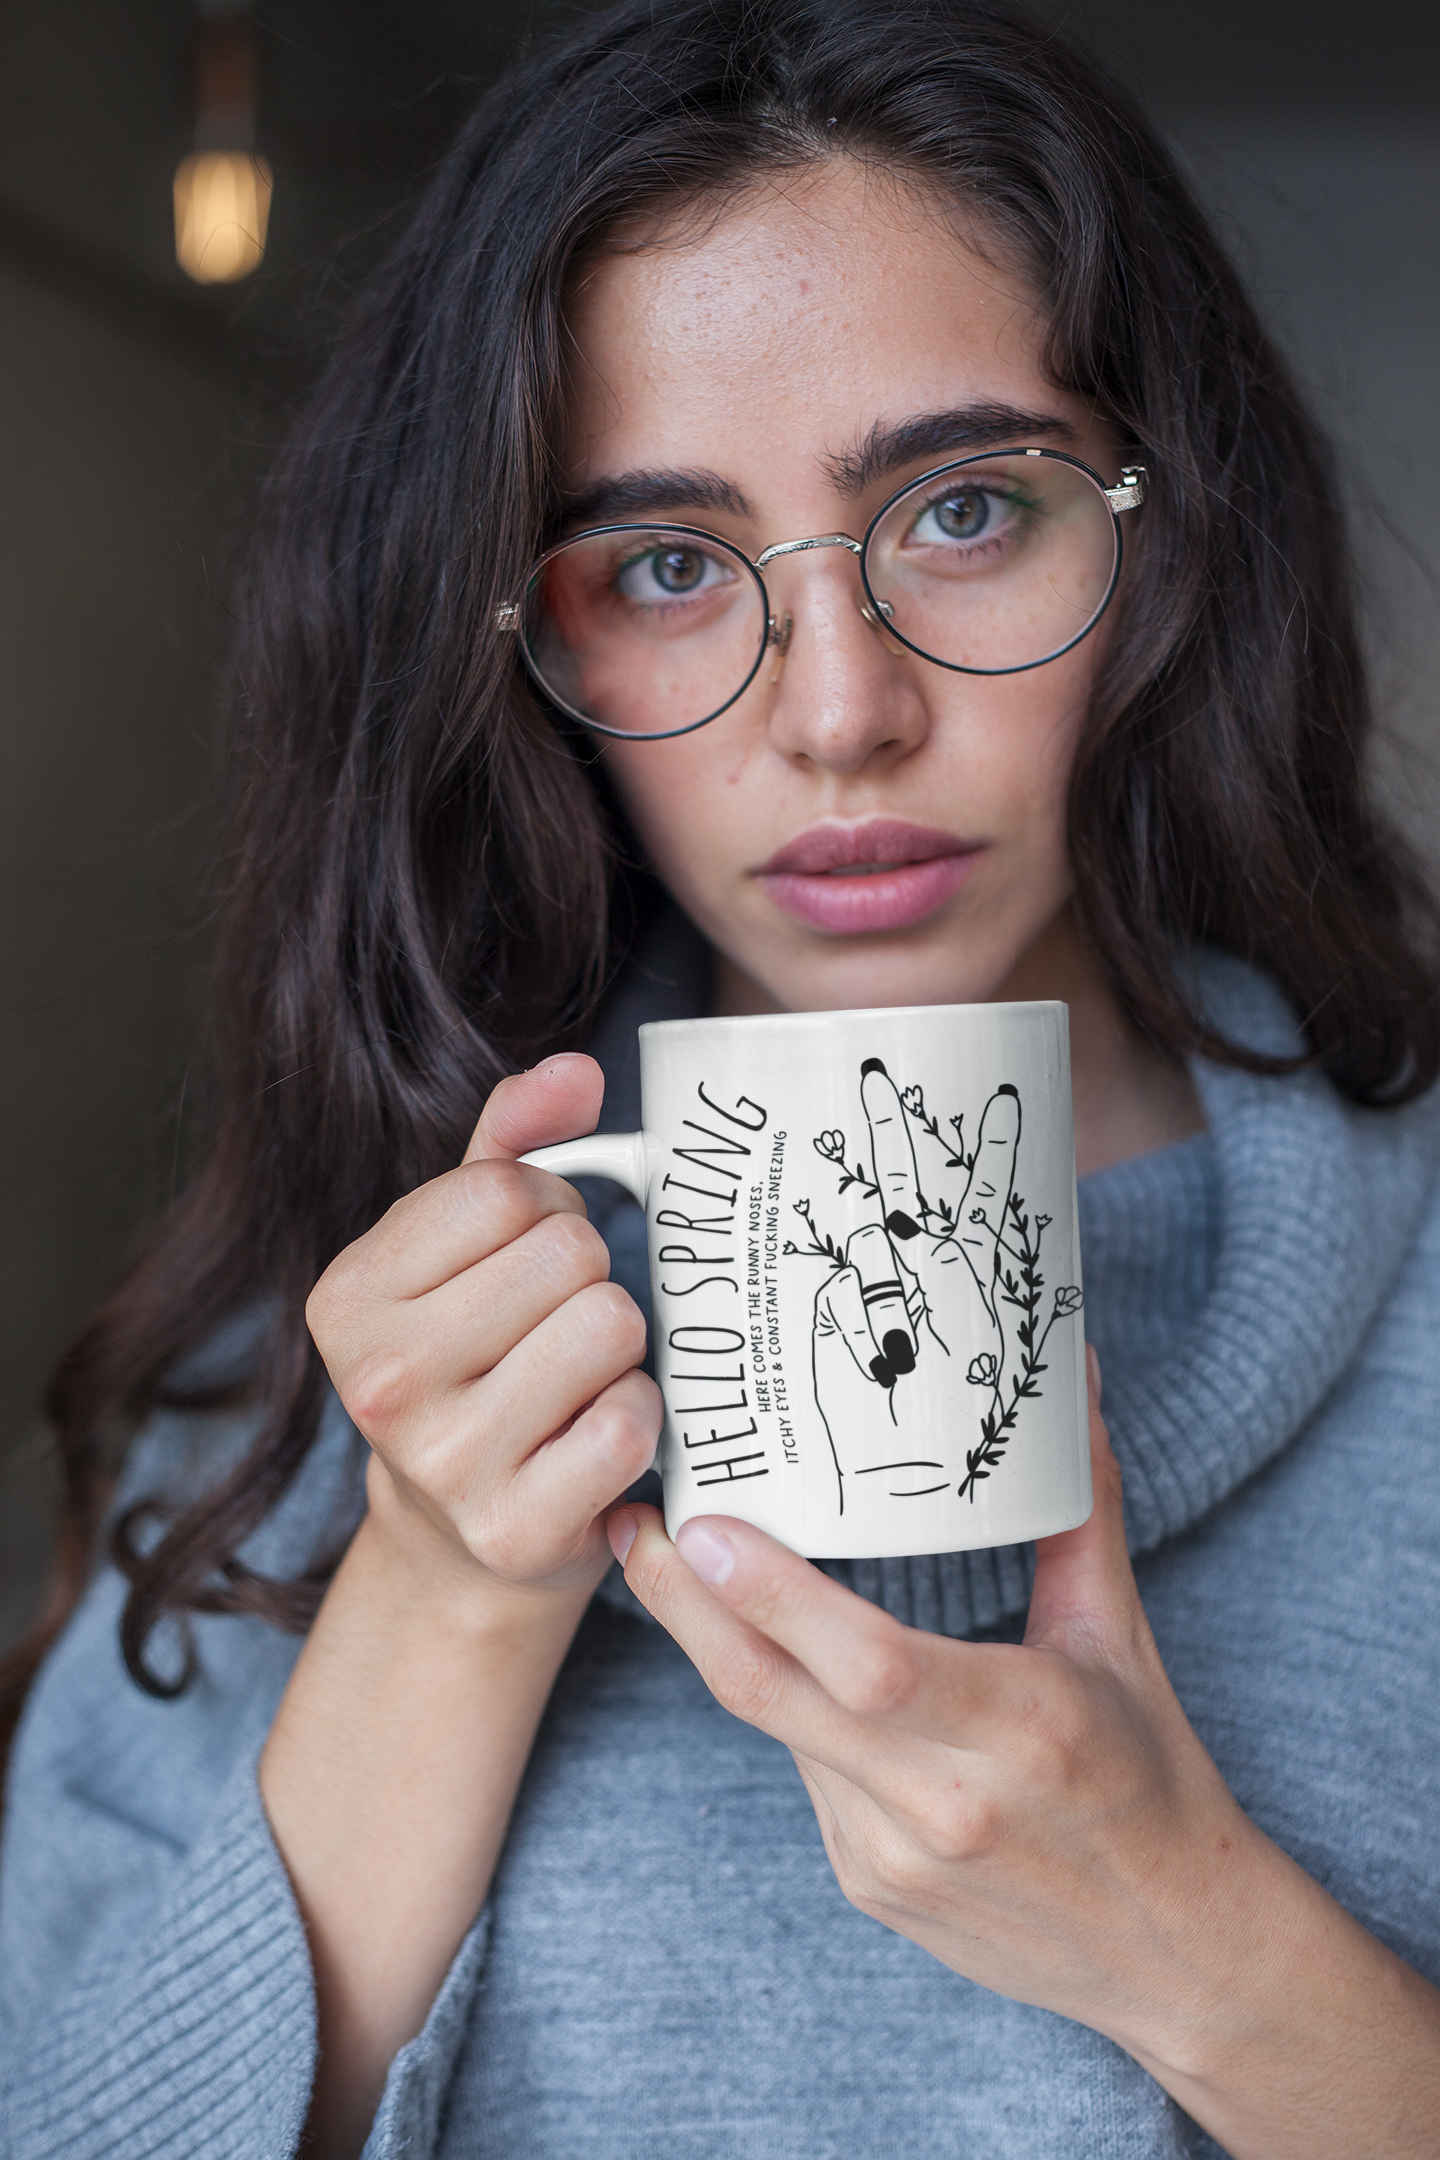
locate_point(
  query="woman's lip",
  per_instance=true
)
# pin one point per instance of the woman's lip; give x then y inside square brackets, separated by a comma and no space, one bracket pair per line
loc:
[888,898]
[884,841]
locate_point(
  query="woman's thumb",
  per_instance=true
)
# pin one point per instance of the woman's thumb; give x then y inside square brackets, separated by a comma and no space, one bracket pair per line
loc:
[557,1100]
[1084,1583]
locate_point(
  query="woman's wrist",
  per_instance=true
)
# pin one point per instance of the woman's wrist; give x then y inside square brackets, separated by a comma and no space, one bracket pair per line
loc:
[432,1578]
[390,1773]
[1212,1925]
[1281,2025]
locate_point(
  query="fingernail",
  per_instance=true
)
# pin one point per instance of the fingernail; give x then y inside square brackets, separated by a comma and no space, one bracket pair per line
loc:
[1092,1367]
[899,1351]
[707,1554]
[621,1530]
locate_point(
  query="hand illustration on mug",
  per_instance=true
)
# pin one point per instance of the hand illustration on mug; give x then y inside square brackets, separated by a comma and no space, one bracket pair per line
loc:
[924,1280]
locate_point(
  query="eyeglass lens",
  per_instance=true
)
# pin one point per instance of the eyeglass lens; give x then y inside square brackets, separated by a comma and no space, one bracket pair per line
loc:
[645,629]
[996,564]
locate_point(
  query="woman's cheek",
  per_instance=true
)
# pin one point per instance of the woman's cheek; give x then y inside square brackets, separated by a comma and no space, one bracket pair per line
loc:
[700,824]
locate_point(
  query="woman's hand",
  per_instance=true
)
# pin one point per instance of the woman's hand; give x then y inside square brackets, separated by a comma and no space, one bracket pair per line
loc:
[918,1279]
[475,1339]
[1043,1819]
[1012,1809]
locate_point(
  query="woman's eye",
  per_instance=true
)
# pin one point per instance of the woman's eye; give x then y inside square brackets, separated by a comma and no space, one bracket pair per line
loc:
[673,572]
[965,515]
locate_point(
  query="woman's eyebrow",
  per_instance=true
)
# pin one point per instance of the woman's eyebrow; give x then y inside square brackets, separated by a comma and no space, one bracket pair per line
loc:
[888,446]
[895,443]
[619,496]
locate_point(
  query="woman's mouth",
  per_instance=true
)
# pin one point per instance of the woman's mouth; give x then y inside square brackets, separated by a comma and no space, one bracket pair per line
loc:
[882,875]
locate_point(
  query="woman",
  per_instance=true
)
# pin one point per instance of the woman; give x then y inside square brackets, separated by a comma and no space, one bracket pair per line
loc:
[730,277]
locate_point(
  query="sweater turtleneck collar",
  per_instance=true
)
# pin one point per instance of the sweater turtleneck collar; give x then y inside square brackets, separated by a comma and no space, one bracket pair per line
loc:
[1229,1280]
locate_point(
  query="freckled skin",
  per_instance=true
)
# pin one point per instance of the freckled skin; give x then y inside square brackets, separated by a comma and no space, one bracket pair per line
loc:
[753,349]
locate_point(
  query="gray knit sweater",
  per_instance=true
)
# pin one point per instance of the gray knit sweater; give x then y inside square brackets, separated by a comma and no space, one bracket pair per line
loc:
[666,1966]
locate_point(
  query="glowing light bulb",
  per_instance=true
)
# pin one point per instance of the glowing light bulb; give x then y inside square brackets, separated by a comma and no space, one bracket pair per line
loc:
[222,211]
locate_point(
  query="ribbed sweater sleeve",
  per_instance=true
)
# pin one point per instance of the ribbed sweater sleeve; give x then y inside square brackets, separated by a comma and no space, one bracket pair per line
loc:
[410,2117]
[156,1993]
[192,2033]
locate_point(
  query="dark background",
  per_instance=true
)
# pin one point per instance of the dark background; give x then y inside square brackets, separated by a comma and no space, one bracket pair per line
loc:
[136,411]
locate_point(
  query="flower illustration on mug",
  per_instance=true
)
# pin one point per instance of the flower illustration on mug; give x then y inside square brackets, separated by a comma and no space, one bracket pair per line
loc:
[832,1146]
[1068,1299]
[983,1370]
[914,1101]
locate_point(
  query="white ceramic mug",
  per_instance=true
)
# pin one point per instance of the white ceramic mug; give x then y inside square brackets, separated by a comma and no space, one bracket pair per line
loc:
[865,1265]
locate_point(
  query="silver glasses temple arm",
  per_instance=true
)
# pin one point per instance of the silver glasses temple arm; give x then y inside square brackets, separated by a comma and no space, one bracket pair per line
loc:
[508,614]
[1131,491]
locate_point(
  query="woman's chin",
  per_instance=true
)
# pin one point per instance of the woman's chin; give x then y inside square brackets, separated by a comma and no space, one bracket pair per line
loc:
[833,974]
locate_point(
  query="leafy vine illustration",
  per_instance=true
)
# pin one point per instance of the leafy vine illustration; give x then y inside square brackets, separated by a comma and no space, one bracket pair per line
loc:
[956,1157]
[1021,1286]
[822,1246]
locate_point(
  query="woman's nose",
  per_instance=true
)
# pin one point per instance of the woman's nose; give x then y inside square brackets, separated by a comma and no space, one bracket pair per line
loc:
[844,694]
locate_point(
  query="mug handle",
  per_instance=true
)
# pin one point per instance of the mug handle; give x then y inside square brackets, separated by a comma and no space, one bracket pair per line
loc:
[625,1157]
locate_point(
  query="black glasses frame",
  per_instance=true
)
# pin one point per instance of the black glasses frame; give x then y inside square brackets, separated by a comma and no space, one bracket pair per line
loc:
[1127,496]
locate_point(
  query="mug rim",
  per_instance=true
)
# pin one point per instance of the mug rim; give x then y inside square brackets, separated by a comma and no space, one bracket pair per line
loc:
[717,1022]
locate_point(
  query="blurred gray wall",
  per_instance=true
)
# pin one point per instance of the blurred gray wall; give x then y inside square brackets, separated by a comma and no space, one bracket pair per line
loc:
[103,696]
[1336,224]
[134,412]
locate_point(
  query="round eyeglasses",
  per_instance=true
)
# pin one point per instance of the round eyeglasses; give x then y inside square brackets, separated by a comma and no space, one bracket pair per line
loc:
[988,566]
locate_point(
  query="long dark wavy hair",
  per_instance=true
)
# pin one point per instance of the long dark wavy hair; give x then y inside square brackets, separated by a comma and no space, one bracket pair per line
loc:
[424,885]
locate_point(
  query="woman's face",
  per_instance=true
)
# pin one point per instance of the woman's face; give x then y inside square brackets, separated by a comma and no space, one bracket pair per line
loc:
[862,827]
